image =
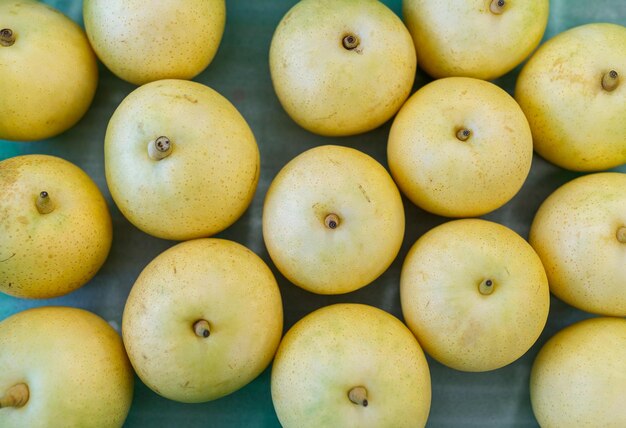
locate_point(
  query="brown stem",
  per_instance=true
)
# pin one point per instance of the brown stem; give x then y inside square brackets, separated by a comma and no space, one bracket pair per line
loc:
[7,37]
[358,395]
[463,134]
[610,81]
[16,396]
[486,287]
[497,6]
[201,327]
[621,234]
[332,221]
[44,204]
[160,148]
[350,42]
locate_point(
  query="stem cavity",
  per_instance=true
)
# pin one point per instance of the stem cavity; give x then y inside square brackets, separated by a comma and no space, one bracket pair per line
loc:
[610,80]
[358,395]
[621,234]
[160,148]
[201,328]
[331,221]
[497,6]
[44,204]
[7,37]
[486,287]
[16,396]
[350,42]
[463,134]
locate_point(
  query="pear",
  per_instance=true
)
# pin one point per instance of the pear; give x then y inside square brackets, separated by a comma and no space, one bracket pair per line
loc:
[62,366]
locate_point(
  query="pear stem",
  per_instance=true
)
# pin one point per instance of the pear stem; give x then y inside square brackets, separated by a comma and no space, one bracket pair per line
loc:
[610,81]
[350,42]
[497,6]
[463,134]
[358,395]
[486,287]
[621,234]
[7,37]
[44,204]
[331,221]
[160,148]
[16,396]
[201,328]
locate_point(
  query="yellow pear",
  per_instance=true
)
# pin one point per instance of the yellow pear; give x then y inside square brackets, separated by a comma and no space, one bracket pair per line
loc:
[579,232]
[572,90]
[460,147]
[180,160]
[475,294]
[333,220]
[474,38]
[203,319]
[578,378]
[142,41]
[350,365]
[56,227]
[341,67]
[49,72]
[62,367]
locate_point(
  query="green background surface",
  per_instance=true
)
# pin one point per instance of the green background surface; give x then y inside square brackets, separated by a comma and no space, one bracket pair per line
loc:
[240,72]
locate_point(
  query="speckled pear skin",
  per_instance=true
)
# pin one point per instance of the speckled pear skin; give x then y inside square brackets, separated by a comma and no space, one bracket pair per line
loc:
[49,255]
[49,74]
[216,281]
[73,364]
[577,379]
[211,175]
[143,41]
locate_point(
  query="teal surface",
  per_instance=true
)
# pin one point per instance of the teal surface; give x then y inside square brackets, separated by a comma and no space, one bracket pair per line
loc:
[240,72]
